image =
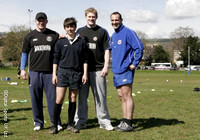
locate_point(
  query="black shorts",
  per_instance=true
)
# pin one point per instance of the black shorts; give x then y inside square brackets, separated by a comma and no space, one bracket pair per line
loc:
[69,78]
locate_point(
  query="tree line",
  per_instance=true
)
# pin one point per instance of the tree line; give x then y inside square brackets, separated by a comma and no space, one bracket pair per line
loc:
[182,37]
[12,43]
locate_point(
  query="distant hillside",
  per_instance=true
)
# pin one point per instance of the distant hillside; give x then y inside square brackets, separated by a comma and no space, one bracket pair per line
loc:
[163,42]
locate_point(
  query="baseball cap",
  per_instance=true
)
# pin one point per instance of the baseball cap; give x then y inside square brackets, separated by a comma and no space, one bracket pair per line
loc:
[40,15]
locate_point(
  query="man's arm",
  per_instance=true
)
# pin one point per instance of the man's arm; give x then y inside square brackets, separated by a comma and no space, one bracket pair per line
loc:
[104,71]
[24,59]
[85,70]
[54,74]
[137,46]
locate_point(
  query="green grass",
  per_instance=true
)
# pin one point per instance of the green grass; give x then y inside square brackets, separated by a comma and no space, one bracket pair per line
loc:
[169,112]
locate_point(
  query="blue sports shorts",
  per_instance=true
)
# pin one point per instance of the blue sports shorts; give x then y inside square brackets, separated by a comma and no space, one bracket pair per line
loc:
[69,78]
[123,78]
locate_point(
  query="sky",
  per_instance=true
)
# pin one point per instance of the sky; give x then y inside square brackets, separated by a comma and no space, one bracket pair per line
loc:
[156,18]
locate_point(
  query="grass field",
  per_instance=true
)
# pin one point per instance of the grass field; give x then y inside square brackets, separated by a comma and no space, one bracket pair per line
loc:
[166,108]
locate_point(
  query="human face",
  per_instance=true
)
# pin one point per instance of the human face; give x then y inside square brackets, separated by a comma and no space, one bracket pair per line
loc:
[70,29]
[115,21]
[41,24]
[91,20]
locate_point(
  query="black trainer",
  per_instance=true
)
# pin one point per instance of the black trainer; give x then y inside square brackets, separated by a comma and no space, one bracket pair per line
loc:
[124,127]
[72,129]
[118,127]
[53,130]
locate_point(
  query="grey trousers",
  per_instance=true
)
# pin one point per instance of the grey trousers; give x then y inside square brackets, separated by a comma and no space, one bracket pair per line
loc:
[99,88]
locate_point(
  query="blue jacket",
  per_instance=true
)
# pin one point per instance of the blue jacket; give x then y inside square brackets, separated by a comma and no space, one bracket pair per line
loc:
[126,49]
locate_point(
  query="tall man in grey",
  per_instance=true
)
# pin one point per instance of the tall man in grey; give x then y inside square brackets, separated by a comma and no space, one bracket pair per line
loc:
[98,62]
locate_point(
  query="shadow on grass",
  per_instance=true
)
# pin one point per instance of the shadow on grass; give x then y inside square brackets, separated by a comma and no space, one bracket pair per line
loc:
[19,109]
[6,135]
[139,123]
[155,122]
[92,123]
[7,116]
[142,123]
[8,120]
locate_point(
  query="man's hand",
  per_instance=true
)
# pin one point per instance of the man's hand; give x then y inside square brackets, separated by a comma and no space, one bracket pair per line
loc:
[23,75]
[104,71]
[131,67]
[84,79]
[62,36]
[54,79]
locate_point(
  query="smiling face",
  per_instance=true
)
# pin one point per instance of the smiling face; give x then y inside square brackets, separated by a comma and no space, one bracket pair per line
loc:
[41,24]
[91,20]
[116,21]
[70,29]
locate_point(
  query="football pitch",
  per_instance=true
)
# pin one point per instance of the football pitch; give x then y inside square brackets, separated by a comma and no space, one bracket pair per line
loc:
[166,108]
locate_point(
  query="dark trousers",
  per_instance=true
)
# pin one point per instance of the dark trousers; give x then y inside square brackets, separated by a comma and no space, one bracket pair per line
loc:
[40,81]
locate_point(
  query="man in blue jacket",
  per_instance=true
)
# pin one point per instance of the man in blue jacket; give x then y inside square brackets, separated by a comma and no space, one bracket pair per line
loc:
[127,52]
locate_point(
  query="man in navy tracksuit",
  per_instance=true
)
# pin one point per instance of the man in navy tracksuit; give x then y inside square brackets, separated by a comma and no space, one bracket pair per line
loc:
[38,45]
[127,52]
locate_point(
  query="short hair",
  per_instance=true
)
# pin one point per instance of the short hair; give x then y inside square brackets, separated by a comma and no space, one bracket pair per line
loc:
[70,22]
[117,13]
[91,10]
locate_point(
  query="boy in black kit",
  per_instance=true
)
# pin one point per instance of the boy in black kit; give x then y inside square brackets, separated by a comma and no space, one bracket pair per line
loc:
[70,58]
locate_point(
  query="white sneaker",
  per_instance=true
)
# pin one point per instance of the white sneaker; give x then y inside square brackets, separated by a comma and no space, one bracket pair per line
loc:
[107,127]
[37,128]
[59,127]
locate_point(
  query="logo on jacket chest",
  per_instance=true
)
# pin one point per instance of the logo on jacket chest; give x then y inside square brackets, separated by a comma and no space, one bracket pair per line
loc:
[119,42]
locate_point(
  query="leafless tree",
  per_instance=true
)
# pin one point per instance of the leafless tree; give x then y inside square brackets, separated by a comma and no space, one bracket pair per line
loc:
[179,36]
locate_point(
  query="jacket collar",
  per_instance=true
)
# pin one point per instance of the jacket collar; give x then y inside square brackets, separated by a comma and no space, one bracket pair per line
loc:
[76,37]
[120,28]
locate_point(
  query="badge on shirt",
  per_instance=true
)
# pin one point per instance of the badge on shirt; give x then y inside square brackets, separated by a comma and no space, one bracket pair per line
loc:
[95,38]
[49,38]
[119,42]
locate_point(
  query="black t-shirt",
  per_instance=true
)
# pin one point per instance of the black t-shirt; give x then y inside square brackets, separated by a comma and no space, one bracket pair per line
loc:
[97,40]
[40,47]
